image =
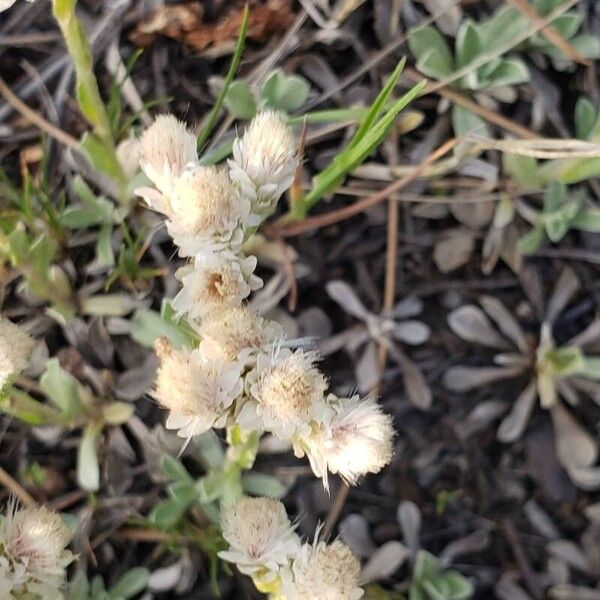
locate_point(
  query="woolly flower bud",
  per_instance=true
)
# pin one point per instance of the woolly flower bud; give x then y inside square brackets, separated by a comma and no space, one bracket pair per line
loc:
[218,279]
[323,571]
[33,554]
[260,536]
[264,163]
[236,332]
[16,346]
[166,147]
[205,207]
[196,391]
[357,440]
[287,393]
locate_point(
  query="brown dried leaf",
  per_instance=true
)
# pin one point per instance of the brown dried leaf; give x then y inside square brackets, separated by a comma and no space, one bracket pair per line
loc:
[185,22]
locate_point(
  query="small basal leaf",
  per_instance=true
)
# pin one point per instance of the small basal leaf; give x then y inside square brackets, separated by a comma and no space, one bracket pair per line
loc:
[433,54]
[61,388]
[468,44]
[147,326]
[284,92]
[239,100]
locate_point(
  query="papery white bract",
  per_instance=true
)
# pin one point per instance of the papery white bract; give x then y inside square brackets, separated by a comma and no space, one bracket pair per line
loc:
[16,346]
[217,279]
[323,571]
[357,440]
[205,208]
[166,147]
[196,391]
[236,332]
[264,162]
[286,393]
[33,554]
[260,536]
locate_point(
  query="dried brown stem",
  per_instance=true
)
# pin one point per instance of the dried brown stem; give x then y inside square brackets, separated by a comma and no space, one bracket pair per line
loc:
[33,117]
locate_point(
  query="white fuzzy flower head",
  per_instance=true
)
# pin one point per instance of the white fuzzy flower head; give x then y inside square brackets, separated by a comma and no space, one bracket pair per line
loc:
[218,279]
[236,332]
[16,346]
[323,571]
[6,4]
[197,392]
[33,554]
[287,393]
[260,536]
[264,163]
[166,147]
[357,440]
[205,207]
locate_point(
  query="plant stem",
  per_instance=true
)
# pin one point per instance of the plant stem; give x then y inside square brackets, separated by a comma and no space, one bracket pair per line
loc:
[241,454]
[87,91]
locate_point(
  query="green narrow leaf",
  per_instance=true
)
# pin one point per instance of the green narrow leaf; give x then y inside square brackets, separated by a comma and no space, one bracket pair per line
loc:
[532,240]
[233,67]
[377,106]
[587,219]
[167,513]
[353,155]
[130,584]
[586,115]
[102,158]
[174,469]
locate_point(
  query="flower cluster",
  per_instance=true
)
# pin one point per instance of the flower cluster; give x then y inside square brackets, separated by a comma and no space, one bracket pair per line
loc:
[263,545]
[33,554]
[244,372]
[16,346]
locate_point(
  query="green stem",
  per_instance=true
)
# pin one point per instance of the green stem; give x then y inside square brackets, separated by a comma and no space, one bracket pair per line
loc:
[87,91]
[22,406]
[241,454]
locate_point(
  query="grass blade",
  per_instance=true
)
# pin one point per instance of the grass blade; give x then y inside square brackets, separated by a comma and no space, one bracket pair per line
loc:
[233,67]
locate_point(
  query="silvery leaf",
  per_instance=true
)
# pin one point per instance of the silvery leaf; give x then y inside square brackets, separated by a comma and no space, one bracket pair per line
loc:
[346,297]
[575,448]
[384,562]
[505,321]
[472,325]
[565,289]
[463,379]
[411,332]
[513,425]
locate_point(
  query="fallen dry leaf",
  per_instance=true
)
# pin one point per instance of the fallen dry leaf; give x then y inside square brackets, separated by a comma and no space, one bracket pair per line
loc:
[186,22]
